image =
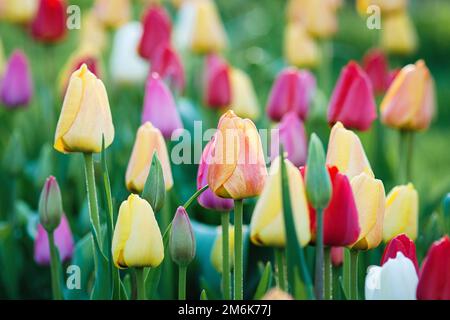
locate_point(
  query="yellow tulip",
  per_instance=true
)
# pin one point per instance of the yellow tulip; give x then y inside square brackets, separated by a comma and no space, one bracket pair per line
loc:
[267,225]
[398,35]
[386,6]
[346,152]
[216,252]
[137,240]
[113,13]
[402,209]
[85,116]
[370,201]
[92,34]
[277,294]
[243,97]
[300,49]
[18,11]
[148,140]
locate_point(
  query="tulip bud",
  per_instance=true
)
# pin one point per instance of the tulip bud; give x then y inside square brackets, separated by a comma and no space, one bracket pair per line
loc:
[155,190]
[16,86]
[318,184]
[277,294]
[50,205]
[113,13]
[434,282]
[15,11]
[85,118]
[243,96]
[49,23]
[182,240]
[63,241]
[352,101]
[300,49]
[216,82]
[137,240]
[375,64]
[402,206]
[398,35]
[167,64]
[403,244]
[216,252]
[337,256]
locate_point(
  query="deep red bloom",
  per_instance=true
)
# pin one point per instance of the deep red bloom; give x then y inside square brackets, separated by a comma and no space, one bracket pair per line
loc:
[49,24]
[376,66]
[167,64]
[156,31]
[216,82]
[352,101]
[434,279]
[403,244]
[340,219]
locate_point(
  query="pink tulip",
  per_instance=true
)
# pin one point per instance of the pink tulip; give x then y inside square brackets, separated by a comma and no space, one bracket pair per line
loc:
[167,64]
[337,256]
[376,66]
[216,80]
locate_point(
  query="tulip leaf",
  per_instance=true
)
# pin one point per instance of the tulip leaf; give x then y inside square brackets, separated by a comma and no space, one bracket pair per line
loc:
[102,286]
[265,283]
[203,295]
[154,189]
[344,295]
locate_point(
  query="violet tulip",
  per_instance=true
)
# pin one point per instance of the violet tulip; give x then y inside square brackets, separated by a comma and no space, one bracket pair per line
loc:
[167,64]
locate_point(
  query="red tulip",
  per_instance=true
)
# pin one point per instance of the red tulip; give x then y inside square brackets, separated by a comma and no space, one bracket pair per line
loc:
[403,244]
[49,24]
[352,101]
[292,91]
[434,279]
[156,31]
[167,64]
[217,83]
[376,66]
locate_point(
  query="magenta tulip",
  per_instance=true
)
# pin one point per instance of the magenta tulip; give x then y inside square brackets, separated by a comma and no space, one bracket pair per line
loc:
[167,64]
[376,66]
[216,82]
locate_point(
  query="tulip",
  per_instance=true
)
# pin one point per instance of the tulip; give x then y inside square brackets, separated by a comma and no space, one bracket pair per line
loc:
[148,141]
[208,199]
[92,34]
[238,168]
[137,240]
[160,108]
[216,82]
[85,118]
[409,103]
[292,91]
[199,27]
[243,96]
[49,24]
[216,252]
[402,206]
[182,240]
[15,11]
[337,256]
[126,66]
[346,152]
[376,66]
[277,294]
[50,205]
[113,13]
[167,64]
[434,280]
[63,241]
[16,87]
[300,49]
[292,136]
[352,101]
[267,225]
[386,6]
[398,35]
[395,280]
[156,32]
[403,244]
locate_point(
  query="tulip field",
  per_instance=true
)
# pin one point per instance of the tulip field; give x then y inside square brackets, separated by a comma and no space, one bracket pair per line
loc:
[224,150]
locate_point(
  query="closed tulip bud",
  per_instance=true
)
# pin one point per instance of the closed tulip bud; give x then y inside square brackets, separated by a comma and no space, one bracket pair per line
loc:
[149,140]
[155,189]
[167,64]
[182,240]
[318,185]
[216,82]
[277,294]
[386,6]
[403,244]
[237,169]
[199,27]
[292,135]
[352,101]
[395,280]
[434,280]
[92,33]
[216,252]
[402,207]
[113,13]
[20,12]
[160,108]
[319,17]
[292,91]
[267,225]
[157,29]
[126,66]
[63,241]
[137,240]
[376,66]
[398,35]
[409,103]
[300,49]
[345,151]
[85,117]
[337,256]
[16,86]
[49,23]
[208,199]
[243,96]
[50,205]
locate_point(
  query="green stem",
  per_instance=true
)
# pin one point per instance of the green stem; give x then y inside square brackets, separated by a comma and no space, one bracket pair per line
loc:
[319,256]
[195,196]
[406,156]
[328,274]
[225,217]
[354,274]
[140,283]
[238,250]
[325,69]
[92,192]
[54,267]
[279,260]
[182,282]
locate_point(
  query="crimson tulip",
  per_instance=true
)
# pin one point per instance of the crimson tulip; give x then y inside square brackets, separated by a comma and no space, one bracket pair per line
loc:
[376,66]
[167,64]
[403,244]
[49,24]
[217,82]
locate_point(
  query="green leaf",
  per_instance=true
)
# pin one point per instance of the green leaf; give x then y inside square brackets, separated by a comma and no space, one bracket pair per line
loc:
[155,190]
[345,281]
[102,285]
[342,289]
[265,283]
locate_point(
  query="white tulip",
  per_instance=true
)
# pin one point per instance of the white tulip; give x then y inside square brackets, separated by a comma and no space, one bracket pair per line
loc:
[395,280]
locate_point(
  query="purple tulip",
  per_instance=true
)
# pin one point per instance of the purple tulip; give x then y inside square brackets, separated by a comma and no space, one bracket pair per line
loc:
[16,86]
[63,241]
[159,107]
